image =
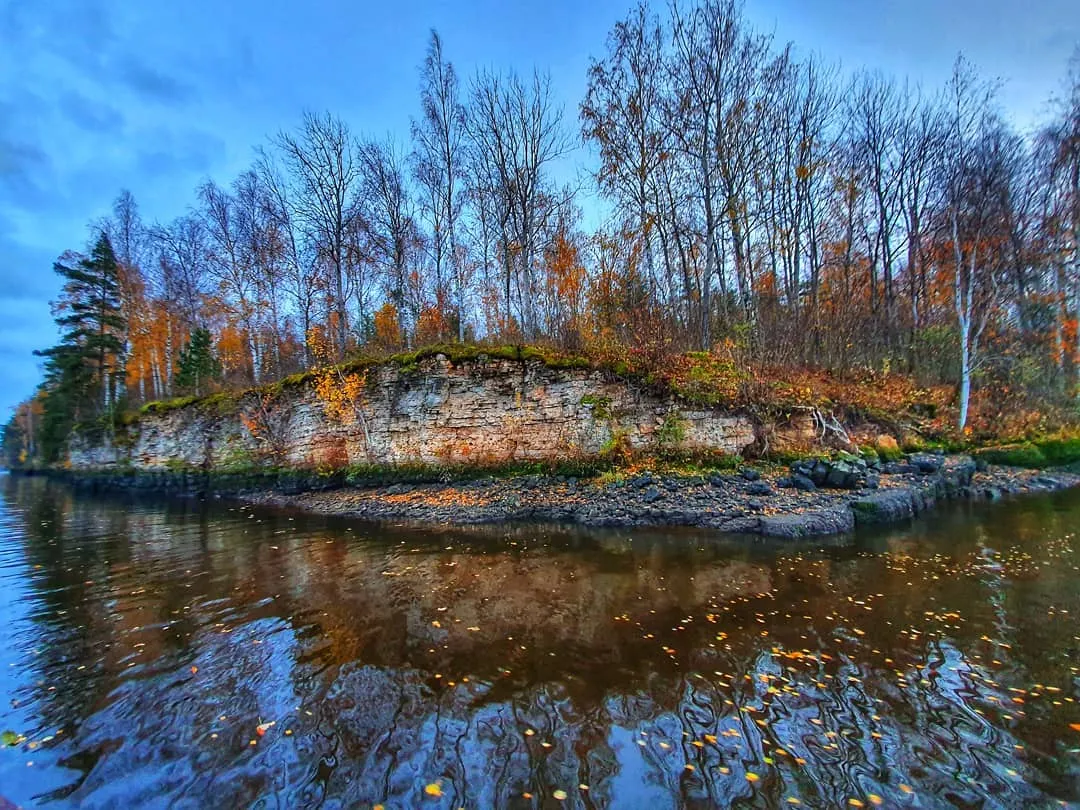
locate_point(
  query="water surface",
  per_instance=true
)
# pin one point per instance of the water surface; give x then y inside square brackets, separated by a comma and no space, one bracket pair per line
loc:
[177,654]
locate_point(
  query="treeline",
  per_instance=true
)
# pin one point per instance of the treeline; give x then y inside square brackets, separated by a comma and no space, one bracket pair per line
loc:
[761,206]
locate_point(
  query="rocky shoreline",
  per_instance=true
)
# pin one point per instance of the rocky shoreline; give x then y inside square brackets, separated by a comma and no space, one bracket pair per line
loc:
[816,498]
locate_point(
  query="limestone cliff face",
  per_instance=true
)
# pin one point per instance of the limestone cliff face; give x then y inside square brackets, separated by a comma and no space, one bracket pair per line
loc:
[479,411]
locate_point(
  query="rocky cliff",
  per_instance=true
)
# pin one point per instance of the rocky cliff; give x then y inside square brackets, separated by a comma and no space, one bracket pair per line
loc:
[483,411]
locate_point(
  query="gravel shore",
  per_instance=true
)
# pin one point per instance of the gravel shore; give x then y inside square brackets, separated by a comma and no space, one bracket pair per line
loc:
[743,502]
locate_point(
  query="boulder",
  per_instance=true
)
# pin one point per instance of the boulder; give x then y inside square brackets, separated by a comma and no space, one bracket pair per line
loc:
[926,463]
[886,506]
[808,524]
[847,471]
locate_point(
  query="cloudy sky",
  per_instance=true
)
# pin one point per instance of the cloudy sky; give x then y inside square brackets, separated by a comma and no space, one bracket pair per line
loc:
[100,95]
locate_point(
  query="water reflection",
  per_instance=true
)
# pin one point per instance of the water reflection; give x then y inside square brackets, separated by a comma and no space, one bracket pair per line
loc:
[171,654]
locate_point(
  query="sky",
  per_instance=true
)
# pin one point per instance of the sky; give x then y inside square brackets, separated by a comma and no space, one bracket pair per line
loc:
[101,95]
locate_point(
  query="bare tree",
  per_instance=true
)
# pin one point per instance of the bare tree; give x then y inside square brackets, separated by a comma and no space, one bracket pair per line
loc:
[390,223]
[325,173]
[622,114]
[303,276]
[516,133]
[438,163]
[972,169]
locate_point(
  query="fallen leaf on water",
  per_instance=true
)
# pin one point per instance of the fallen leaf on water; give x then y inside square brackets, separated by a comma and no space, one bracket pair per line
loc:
[559,794]
[1074,726]
[194,670]
[907,789]
[434,789]
[262,728]
[752,777]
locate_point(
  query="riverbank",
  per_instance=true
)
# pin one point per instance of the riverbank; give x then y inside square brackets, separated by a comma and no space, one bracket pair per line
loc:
[775,503]
[814,497]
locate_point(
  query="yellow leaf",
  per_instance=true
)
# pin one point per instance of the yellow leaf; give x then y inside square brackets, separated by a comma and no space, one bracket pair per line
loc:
[434,789]
[752,777]
[559,794]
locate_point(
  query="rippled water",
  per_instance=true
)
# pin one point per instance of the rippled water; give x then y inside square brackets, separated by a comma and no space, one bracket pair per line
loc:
[170,654]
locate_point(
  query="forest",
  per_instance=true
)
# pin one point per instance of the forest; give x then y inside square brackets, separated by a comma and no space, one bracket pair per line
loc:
[767,214]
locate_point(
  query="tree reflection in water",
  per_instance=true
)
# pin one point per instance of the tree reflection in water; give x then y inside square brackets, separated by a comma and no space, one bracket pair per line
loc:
[176,654]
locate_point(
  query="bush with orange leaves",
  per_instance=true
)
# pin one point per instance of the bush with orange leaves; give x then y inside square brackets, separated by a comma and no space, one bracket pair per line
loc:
[339,388]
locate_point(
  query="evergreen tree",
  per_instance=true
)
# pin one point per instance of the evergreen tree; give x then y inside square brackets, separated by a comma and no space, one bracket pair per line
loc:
[83,369]
[197,366]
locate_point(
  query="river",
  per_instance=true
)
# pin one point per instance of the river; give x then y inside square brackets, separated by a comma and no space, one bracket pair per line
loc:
[158,653]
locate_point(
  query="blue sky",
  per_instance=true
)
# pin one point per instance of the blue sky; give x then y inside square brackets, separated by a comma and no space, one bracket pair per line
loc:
[99,95]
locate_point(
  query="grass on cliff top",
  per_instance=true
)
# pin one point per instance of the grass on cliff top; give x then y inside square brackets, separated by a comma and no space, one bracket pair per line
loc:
[701,378]
[455,353]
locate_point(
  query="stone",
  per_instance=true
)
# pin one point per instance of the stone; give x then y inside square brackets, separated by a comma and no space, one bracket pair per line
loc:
[749,474]
[801,482]
[899,468]
[808,524]
[652,494]
[926,463]
[886,506]
[760,488]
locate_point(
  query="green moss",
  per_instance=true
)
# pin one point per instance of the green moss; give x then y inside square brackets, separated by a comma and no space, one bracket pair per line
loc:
[671,433]
[163,406]
[469,352]
[600,406]
[384,474]
[1059,451]
[866,507]
[890,453]
[1022,454]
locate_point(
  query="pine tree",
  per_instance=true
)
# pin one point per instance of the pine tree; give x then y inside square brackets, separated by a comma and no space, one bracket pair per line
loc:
[197,366]
[83,369]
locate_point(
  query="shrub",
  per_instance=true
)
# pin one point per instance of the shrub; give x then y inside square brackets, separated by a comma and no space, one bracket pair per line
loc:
[1059,451]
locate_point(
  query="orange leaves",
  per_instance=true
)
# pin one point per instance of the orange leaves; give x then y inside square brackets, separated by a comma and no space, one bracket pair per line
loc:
[341,393]
[432,324]
[1074,726]
[387,327]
